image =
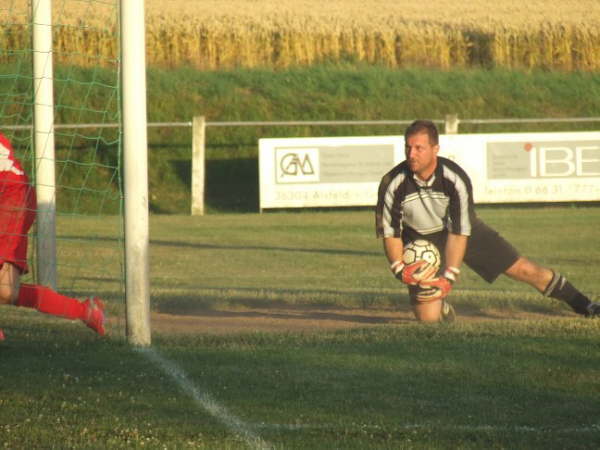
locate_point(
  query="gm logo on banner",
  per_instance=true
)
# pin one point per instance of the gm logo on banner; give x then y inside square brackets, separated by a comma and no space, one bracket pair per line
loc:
[297,165]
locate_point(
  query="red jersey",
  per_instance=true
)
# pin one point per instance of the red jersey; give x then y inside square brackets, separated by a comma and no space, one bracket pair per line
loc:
[17,208]
[11,171]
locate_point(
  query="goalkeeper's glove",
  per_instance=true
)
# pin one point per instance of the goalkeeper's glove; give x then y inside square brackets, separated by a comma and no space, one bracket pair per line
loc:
[439,287]
[413,273]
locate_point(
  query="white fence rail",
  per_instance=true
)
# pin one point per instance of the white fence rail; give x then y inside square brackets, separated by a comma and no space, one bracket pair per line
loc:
[199,124]
[449,122]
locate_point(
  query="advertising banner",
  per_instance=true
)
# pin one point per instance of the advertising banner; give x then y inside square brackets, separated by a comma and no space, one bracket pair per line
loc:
[308,172]
[528,167]
[504,168]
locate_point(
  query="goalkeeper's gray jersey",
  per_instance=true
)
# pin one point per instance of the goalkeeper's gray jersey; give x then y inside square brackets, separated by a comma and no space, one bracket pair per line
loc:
[444,202]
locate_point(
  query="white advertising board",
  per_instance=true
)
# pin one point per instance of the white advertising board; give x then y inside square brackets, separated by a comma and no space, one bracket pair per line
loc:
[306,172]
[504,168]
[528,167]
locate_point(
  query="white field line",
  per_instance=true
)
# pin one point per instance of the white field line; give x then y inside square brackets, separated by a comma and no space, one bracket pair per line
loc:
[205,400]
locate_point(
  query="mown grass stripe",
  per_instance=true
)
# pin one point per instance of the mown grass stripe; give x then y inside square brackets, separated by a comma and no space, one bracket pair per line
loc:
[595,428]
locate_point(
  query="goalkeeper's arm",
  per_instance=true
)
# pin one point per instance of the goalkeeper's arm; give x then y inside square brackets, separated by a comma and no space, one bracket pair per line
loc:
[393,248]
[454,253]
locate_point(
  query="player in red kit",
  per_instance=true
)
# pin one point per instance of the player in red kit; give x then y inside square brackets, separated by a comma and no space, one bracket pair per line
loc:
[17,213]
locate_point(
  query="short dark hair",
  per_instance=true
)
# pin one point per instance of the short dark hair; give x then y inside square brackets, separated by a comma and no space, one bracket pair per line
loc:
[423,126]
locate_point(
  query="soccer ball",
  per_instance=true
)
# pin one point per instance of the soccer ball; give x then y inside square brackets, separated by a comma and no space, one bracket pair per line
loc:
[421,249]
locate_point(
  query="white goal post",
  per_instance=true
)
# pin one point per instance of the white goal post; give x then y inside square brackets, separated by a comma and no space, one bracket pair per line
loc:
[135,160]
[43,118]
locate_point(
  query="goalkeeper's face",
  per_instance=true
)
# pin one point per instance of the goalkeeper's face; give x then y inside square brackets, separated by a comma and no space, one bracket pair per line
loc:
[421,155]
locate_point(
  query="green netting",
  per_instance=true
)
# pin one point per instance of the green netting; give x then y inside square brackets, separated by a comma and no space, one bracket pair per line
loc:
[87,135]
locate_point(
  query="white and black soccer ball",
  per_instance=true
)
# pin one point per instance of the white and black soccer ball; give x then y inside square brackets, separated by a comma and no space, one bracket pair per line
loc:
[421,249]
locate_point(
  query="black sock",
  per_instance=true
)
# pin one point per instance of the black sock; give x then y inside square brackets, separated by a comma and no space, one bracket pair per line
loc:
[560,289]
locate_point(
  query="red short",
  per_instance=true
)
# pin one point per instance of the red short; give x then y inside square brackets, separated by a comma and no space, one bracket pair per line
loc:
[17,213]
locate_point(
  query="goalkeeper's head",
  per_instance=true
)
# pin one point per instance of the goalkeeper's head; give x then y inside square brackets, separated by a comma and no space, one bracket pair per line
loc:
[423,126]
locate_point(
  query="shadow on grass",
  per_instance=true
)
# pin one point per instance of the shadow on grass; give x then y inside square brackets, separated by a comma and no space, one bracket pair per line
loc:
[336,251]
[282,304]
[232,185]
[242,306]
[299,313]
[203,246]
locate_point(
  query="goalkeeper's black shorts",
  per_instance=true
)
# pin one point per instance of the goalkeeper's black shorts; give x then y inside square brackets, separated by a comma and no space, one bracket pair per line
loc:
[488,253]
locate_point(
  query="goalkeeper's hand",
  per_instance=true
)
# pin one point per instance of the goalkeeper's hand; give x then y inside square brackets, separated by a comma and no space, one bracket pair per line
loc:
[439,287]
[414,273]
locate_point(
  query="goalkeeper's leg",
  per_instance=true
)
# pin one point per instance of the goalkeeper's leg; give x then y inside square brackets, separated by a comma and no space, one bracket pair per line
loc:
[552,284]
[561,289]
[424,311]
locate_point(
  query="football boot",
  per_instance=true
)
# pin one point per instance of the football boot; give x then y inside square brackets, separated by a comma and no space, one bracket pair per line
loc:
[95,315]
[448,315]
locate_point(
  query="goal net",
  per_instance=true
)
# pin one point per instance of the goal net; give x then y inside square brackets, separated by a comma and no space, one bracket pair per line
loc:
[87,186]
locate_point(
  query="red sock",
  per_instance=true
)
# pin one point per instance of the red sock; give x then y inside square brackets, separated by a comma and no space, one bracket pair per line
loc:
[47,301]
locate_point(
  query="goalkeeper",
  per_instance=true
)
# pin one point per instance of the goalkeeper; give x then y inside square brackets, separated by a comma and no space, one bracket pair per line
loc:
[431,197]
[17,213]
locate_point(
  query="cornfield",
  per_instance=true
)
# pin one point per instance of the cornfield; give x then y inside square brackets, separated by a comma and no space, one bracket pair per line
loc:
[222,34]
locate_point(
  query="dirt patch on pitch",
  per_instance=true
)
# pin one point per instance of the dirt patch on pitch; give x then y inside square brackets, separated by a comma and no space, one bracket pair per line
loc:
[273,320]
[298,319]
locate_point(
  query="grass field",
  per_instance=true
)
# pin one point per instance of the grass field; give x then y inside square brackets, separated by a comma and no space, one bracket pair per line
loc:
[516,371]
[286,330]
